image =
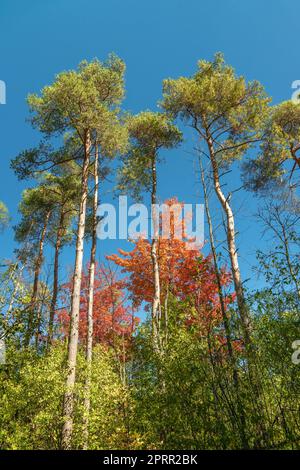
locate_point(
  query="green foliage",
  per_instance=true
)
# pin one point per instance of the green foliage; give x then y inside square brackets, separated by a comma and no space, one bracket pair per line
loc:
[149,133]
[4,216]
[31,389]
[31,396]
[80,99]
[277,159]
[152,131]
[215,101]
[193,402]
[84,101]
[34,206]
[14,300]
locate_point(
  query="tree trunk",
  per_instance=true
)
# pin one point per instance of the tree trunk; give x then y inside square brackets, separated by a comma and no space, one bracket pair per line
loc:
[42,294]
[253,369]
[236,274]
[55,277]
[89,340]
[156,307]
[75,305]
[37,271]
[235,375]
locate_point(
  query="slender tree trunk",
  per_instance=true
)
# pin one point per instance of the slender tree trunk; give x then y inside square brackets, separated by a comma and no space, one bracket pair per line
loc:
[216,267]
[89,341]
[55,276]
[39,317]
[235,374]
[75,305]
[236,274]
[37,271]
[156,306]
[253,368]
[166,317]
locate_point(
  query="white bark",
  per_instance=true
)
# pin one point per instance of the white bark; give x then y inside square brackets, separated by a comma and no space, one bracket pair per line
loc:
[75,306]
[89,341]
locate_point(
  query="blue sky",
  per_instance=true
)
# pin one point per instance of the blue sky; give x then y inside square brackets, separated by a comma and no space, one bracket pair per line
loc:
[157,39]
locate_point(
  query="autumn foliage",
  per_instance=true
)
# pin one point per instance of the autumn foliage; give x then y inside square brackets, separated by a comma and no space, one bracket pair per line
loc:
[114,320]
[185,273]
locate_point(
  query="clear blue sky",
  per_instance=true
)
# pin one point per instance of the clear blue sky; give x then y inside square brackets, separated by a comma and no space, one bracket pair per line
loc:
[157,39]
